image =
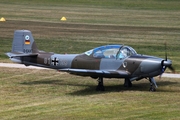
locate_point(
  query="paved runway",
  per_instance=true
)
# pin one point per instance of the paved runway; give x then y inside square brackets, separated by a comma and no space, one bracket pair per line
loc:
[10,65]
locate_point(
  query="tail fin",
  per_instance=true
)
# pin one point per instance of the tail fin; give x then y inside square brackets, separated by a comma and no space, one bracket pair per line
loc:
[23,46]
[23,42]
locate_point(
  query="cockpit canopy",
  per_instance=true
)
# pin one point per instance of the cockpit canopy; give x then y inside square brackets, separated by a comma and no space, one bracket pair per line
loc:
[111,51]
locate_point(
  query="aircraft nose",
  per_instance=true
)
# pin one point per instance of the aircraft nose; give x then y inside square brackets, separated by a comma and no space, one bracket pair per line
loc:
[166,63]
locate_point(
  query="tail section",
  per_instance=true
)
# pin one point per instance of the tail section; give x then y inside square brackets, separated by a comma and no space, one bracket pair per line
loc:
[23,42]
[23,46]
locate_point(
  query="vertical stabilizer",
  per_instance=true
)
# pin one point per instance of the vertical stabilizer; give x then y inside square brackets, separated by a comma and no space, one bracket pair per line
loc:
[23,42]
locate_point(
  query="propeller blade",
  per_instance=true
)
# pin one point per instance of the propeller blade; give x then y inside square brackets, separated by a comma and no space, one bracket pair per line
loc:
[160,76]
[165,51]
[172,69]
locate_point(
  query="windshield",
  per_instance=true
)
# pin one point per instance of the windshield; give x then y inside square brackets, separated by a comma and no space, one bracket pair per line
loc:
[125,51]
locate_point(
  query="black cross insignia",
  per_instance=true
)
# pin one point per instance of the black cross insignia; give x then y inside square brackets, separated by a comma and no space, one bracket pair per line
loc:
[55,61]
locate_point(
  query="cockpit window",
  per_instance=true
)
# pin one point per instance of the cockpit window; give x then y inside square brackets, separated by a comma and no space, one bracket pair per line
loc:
[88,53]
[111,51]
[106,53]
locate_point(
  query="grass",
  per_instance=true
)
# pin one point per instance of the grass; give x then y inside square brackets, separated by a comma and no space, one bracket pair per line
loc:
[79,37]
[136,4]
[46,94]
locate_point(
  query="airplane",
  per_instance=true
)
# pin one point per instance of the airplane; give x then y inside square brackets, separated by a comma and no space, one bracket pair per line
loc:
[108,61]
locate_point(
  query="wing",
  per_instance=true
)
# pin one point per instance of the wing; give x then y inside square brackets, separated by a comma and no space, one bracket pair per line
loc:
[104,73]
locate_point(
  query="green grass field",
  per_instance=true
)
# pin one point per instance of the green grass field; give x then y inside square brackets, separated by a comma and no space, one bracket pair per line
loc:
[45,94]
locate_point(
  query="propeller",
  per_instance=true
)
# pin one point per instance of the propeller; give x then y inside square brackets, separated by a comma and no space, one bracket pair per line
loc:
[172,69]
[165,45]
[166,63]
[169,65]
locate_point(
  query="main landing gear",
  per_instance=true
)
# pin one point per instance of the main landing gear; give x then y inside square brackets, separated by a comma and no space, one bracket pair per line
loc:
[100,86]
[127,83]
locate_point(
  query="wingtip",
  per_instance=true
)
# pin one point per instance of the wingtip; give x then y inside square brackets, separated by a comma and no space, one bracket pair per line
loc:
[8,54]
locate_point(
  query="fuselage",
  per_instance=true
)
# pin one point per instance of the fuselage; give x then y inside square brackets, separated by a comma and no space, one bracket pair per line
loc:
[138,66]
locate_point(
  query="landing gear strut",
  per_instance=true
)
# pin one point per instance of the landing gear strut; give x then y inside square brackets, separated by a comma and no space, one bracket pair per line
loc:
[127,82]
[100,86]
[153,85]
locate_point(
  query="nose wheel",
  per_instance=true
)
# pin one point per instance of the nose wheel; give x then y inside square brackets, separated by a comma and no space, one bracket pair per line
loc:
[152,88]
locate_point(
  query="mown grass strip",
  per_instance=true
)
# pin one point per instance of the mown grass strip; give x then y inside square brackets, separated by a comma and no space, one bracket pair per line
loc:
[46,94]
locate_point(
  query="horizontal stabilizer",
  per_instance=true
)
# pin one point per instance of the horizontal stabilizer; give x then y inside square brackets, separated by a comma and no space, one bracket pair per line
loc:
[11,55]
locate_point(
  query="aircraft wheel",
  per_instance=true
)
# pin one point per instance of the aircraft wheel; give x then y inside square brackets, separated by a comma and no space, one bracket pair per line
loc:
[100,86]
[127,83]
[152,89]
